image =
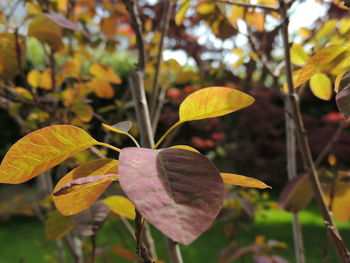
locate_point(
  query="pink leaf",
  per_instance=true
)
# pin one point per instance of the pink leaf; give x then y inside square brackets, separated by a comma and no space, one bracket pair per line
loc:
[179,192]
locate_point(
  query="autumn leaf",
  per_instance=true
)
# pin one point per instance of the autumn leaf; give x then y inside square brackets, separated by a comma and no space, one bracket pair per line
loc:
[241,180]
[57,225]
[173,187]
[41,150]
[87,190]
[181,13]
[184,147]
[213,102]
[122,127]
[121,206]
[321,86]
[104,73]
[101,88]
[46,31]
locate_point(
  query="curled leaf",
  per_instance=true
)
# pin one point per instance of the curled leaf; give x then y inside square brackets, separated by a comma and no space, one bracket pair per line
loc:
[41,150]
[122,127]
[241,180]
[82,196]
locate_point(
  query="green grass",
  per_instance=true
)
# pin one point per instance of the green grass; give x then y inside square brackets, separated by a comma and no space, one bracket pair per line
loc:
[24,239]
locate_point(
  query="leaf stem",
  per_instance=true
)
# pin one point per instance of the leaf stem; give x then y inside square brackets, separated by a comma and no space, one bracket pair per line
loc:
[166,134]
[109,146]
[133,139]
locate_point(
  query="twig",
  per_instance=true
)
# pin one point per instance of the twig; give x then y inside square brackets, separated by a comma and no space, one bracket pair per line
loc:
[292,173]
[329,145]
[248,5]
[338,243]
[168,7]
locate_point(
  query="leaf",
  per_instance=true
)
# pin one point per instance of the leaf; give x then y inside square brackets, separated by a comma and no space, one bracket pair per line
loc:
[46,31]
[184,147]
[33,78]
[83,112]
[104,73]
[120,205]
[46,80]
[241,180]
[88,222]
[297,194]
[84,184]
[180,15]
[9,67]
[213,102]
[318,61]
[321,86]
[298,55]
[343,101]
[41,150]
[82,197]
[205,8]
[178,191]
[57,225]
[109,25]
[67,24]
[101,88]
[122,127]
[256,19]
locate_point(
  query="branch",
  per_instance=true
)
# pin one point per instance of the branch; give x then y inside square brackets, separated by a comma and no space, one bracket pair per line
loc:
[136,25]
[338,243]
[248,5]
[168,7]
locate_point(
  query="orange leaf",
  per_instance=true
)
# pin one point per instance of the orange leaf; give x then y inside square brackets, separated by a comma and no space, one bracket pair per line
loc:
[213,102]
[101,88]
[82,196]
[109,26]
[256,19]
[241,180]
[41,150]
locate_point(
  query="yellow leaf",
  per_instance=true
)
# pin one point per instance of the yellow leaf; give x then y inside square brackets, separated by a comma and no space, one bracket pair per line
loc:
[344,26]
[184,147]
[121,206]
[33,78]
[46,31]
[338,79]
[46,80]
[121,127]
[213,102]
[33,9]
[241,180]
[321,86]
[304,32]
[41,150]
[101,88]
[180,15]
[24,93]
[318,61]
[205,8]
[104,73]
[57,225]
[327,29]
[298,55]
[237,12]
[332,159]
[82,196]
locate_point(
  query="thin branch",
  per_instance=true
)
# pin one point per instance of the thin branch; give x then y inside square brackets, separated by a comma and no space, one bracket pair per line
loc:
[248,5]
[338,243]
[136,25]
[168,7]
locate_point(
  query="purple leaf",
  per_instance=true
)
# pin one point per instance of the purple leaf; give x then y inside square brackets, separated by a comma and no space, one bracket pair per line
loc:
[88,222]
[67,24]
[178,191]
[81,181]
[343,101]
